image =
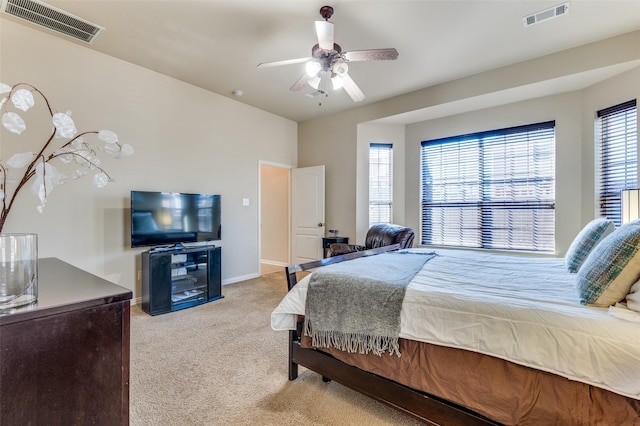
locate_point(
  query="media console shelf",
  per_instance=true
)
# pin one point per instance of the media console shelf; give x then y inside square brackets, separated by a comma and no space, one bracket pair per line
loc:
[180,278]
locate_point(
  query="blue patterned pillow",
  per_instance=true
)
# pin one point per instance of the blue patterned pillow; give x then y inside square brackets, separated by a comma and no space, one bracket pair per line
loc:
[586,241]
[612,267]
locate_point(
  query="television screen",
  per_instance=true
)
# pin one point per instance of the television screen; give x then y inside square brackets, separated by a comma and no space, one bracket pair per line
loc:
[166,218]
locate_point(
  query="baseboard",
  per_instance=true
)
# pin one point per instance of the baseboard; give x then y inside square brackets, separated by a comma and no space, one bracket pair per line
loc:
[238,279]
[274,263]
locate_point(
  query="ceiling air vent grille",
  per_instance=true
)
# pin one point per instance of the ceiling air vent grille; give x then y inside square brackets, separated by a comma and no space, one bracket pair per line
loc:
[42,14]
[544,15]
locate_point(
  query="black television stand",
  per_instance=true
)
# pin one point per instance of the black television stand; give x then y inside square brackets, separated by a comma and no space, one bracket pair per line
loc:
[175,278]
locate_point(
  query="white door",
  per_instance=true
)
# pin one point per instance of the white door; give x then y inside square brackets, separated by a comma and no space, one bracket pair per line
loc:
[307,218]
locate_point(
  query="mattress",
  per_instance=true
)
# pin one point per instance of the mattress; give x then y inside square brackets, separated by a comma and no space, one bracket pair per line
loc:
[519,308]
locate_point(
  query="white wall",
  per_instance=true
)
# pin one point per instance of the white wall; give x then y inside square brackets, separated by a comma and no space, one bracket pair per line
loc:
[186,140]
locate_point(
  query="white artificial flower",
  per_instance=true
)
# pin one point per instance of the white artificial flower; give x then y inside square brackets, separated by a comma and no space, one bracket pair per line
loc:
[66,158]
[64,154]
[45,175]
[86,159]
[42,183]
[107,136]
[111,149]
[45,179]
[65,127]
[22,99]
[100,180]
[13,122]
[79,173]
[18,161]
[78,144]
[127,149]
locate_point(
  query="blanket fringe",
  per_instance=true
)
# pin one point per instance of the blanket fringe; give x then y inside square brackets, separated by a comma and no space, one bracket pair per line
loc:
[353,342]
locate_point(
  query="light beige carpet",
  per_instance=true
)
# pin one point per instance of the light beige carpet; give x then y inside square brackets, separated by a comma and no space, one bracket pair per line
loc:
[221,364]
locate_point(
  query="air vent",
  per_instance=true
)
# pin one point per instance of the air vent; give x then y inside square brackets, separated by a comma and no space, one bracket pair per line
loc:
[545,15]
[43,15]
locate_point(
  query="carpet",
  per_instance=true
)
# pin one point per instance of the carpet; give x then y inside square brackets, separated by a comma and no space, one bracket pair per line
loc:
[221,364]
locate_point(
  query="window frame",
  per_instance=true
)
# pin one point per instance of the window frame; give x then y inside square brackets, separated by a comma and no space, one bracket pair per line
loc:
[386,203]
[473,194]
[611,145]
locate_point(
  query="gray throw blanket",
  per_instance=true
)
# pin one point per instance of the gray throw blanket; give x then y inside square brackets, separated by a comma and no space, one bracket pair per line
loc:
[355,306]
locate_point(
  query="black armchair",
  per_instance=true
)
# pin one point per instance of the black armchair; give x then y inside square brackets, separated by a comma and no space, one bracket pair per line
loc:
[377,236]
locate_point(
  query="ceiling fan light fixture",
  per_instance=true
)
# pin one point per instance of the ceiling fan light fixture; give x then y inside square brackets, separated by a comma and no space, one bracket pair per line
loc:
[312,68]
[325,81]
[341,69]
[321,82]
[314,82]
[338,82]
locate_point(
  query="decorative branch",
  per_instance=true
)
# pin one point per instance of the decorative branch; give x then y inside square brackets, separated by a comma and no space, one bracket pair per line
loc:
[37,166]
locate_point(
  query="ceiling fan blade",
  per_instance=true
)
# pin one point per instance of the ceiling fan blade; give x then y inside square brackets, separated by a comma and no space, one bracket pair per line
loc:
[278,63]
[371,55]
[301,83]
[352,89]
[324,29]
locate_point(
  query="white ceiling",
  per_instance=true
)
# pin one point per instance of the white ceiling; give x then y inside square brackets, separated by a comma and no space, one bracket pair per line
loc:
[217,44]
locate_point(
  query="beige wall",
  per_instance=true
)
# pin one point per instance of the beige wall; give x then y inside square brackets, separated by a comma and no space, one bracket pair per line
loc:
[567,86]
[369,133]
[186,139]
[336,149]
[564,109]
[608,93]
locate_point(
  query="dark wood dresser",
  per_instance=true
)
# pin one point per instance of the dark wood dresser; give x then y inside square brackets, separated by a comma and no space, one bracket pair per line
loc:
[65,359]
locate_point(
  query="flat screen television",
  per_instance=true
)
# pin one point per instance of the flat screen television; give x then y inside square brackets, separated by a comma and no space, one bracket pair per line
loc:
[170,218]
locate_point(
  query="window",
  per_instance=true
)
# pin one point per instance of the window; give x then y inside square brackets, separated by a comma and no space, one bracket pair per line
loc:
[616,129]
[380,183]
[492,190]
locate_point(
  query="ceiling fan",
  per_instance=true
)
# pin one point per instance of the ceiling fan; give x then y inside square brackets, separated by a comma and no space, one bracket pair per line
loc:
[327,68]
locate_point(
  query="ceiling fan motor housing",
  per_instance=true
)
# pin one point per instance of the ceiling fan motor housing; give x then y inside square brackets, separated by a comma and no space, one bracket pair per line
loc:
[326,58]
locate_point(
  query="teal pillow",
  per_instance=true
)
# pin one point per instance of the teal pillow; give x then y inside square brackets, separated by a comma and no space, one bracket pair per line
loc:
[586,241]
[606,276]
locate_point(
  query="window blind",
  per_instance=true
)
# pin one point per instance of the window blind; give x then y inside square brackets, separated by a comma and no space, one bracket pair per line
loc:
[492,190]
[380,183]
[617,133]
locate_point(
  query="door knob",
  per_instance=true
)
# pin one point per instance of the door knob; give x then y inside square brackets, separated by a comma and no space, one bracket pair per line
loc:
[320,224]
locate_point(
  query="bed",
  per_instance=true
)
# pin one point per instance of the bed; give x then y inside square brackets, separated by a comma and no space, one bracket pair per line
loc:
[487,339]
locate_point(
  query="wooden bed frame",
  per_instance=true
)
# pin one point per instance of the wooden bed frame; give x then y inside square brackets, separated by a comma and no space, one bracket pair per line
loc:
[422,406]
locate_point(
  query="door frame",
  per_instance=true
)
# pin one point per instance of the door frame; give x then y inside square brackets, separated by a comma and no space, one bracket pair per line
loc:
[288,167]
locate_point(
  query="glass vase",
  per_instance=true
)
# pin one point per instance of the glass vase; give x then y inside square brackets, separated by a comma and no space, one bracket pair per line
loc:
[18,270]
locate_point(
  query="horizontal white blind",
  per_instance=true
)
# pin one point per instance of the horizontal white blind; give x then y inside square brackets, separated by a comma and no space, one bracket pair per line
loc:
[617,132]
[380,183]
[493,190]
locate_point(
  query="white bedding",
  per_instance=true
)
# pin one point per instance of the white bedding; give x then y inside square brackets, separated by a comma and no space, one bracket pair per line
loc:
[522,309]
